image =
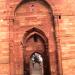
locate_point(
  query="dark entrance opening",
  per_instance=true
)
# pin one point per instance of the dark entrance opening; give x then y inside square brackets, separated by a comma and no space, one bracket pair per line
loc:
[36,64]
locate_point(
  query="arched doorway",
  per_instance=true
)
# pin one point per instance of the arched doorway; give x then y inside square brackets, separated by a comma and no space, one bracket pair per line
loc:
[36,64]
[36,55]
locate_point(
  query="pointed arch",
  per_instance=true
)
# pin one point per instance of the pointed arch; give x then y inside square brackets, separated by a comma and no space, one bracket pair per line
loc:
[42,50]
[35,31]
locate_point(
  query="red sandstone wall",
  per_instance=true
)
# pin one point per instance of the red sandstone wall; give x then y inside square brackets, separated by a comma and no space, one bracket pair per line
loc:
[4,39]
[65,33]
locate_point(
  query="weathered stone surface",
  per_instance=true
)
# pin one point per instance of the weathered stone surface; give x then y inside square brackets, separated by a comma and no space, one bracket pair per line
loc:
[64,16]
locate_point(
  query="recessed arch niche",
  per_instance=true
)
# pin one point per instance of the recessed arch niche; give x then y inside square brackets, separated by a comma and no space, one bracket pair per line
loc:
[35,43]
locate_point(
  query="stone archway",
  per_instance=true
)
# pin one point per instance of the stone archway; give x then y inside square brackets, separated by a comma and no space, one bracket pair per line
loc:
[35,43]
[32,23]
